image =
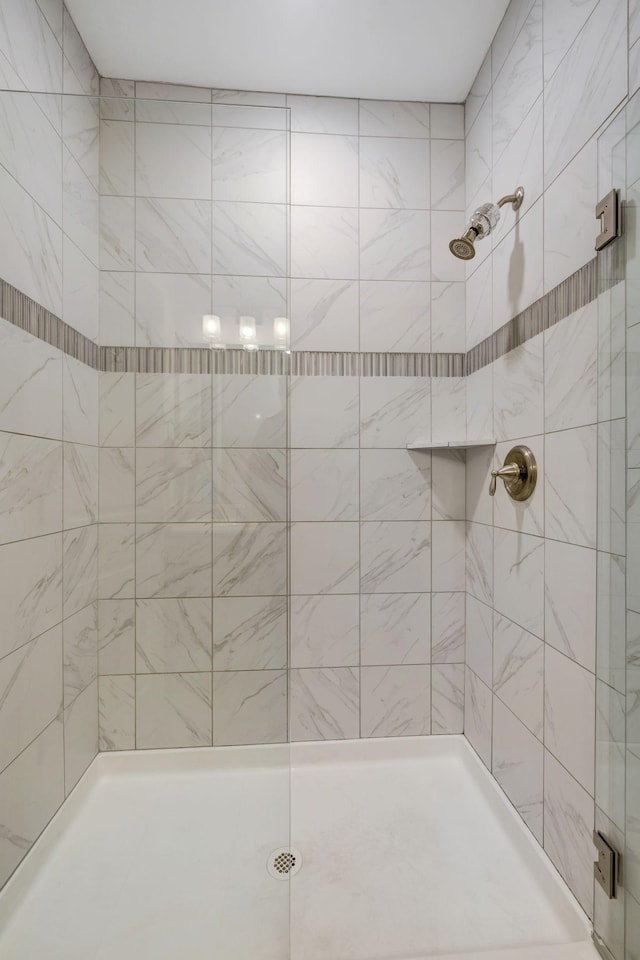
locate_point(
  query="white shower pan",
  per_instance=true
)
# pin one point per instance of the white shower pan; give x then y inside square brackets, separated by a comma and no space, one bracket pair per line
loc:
[408,849]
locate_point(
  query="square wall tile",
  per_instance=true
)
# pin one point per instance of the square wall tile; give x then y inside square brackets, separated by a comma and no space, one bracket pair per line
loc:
[324,704]
[173,710]
[395,701]
[324,242]
[324,484]
[325,631]
[395,485]
[249,707]
[116,713]
[249,633]
[324,412]
[324,170]
[173,636]
[394,315]
[248,485]
[448,627]
[395,628]
[570,601]
[394,172]
[324,558]
[324,314]
[249,164]
[173,560]
[447,698]
[249,560]
[395,557]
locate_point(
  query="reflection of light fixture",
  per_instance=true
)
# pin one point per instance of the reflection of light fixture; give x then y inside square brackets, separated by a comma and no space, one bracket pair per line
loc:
[247,333]
[212,330]
[281,331]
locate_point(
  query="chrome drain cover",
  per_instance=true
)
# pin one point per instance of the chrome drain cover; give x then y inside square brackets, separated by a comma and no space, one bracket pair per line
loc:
[284,863]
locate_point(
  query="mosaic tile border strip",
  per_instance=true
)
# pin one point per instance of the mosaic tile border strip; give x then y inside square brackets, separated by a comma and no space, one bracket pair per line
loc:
[575,292]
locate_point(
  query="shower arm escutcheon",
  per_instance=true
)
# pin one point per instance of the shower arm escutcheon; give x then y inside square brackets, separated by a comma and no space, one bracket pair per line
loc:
[520,474]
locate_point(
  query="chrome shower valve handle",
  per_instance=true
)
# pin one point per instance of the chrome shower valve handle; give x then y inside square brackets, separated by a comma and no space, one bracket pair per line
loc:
[520,474]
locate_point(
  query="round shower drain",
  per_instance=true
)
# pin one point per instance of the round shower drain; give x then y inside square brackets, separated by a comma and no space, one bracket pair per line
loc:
[284,863]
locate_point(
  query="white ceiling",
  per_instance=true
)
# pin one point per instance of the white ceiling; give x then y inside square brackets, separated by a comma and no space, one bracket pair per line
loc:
[381,49]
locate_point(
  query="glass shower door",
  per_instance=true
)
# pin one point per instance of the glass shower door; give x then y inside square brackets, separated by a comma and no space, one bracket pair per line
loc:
[617,813]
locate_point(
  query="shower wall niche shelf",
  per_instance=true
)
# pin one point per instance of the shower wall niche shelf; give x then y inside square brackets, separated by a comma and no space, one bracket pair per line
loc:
[449,444]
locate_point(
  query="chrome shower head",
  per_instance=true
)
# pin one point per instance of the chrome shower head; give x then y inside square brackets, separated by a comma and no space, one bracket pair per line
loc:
[483,221]
[463,247]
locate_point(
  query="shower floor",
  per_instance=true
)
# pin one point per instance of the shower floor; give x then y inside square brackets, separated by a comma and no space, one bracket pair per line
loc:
[409,850]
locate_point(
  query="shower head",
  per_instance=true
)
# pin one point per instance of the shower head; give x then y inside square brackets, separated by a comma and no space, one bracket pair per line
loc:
[463,247]
[483,221]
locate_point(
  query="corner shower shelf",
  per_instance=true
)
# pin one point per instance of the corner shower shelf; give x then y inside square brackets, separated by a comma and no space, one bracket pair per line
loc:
[449,444]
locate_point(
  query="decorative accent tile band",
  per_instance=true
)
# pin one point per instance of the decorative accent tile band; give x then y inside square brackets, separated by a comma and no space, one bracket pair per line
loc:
[575,292]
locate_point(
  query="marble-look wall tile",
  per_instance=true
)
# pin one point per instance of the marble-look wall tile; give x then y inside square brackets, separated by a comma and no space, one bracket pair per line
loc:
[117,485]
[568,828]
[325,631]
[521,162]
[589,82]
[172,160]
[447,484]
[518,673]
[394,485]
[479,305]
[395,628]
[173,411]
[249,560]
[447,121]
[28,135]
[173,560]
[80,651]
[394,172]
[395,701]
[324,704]
[116,713]
[249,707]
[80,402]
[323,114]
[116,568]
[570,601]
[250,164]
[447,174]
[32,47]
[81,208]
[173,236]
[395,557]
[80,735]
[80,568]
[518,266]
[324,558]
[173,710]
[324,485]
[519,82]
[117,233]
[448,408]
[480,562]
[395,245]
[570,509]
[250,411]
[30,692]
[324,242]
[519,579]
[448,569]
[395,316]
[32,245]
[117,409]
[30,589]
[31,790]
[568,217]
[324,412]
[478,709]
[517,765]
[571,374]
[30,371]
[518,392]
[324,314]
[173,485]
[80,291]
[569,722]
[169,308]
[116,636]
[117,158]
[562,23]
[173,636]
[80,502]
[479,464]
[448,313]
[448,626]
[324,170]
[250,633]
[479,639]
[30,487]
[611,619]
[249,239]
[393,118]
[394,411]
[447,698]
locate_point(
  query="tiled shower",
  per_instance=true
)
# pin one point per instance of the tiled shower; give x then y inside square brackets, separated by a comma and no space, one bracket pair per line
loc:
[226,316]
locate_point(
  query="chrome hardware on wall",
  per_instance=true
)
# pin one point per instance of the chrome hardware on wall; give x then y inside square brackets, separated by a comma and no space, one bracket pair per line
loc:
[608,213]
[520,474]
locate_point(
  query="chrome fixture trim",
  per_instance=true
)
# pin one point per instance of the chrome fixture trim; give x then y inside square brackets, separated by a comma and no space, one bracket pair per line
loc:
[520,474]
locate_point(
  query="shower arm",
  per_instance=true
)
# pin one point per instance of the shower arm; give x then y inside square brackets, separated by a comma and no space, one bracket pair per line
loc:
[515,199]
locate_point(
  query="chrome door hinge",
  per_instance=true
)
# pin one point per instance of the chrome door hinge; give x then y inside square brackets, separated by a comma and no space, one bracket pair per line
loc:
[608,213]
[606,866]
